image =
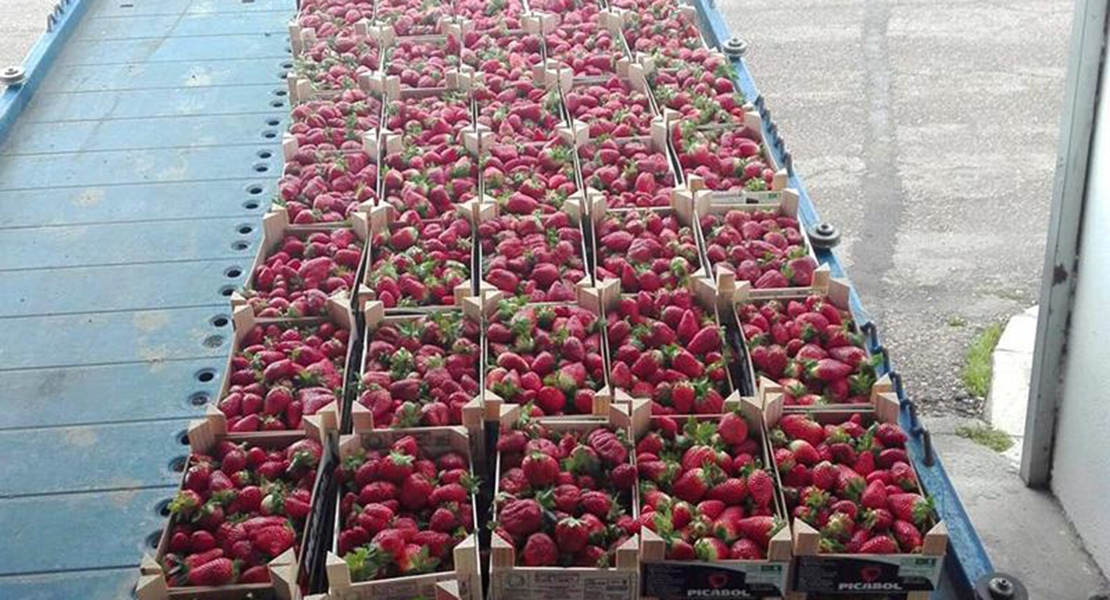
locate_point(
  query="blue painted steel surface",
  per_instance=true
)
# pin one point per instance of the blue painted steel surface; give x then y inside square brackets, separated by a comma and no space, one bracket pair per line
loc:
[967,560]
[137,202]
[127,186]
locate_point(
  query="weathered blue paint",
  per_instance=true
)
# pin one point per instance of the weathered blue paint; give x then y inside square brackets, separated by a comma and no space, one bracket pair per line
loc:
[967,560]
[158,26]
[57,138]
[66,532]
[140,391]
[44,450]
[147,103]
[123,243]
[231,71]
[124,186]
[136,202]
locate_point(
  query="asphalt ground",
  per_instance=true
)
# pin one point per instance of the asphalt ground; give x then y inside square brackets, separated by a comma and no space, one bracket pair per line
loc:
[926,132]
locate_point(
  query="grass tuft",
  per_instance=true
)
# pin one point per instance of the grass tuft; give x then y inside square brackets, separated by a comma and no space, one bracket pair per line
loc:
[996,440]
[956,322]
[976,373]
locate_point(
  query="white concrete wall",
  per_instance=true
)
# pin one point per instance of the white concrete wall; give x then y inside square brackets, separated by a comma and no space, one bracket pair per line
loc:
[1081,469]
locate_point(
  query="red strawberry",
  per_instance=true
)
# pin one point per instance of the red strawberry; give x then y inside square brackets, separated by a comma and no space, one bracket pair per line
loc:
[416,492]
[416,559]
[878,519]
[745,549]
[912,508]
[761,487]
[596,503]
[396,467]
[732,428]
[623,476]
[220,571]
[760,529]
[571,534]
[540,551]
[711,549]
[825,475]
[442,520]
[451,492]
[255,574]
[201,541]
[521,517]
[804,452]
[874,496]
[901,474]
[708,339]
[730,491]
[880,544]
[890,435]
[540,469]
[909,538]
[273,540]
[691,485]
[680,549]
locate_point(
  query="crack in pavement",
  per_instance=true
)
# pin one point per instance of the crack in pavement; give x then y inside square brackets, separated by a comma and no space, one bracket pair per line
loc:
[882,185]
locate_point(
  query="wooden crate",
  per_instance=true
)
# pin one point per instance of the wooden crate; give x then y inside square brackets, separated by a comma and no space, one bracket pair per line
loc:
[204,434]
[633,75]
[509,581]
[573,207]
[473,414]
[704,294]
[302,89]
[706,203]
[587,299]
[275,226]
[835,291]
[694,183]
[339,313]
[382,219]
[767,577]
[462,583]
[862,575]
[681,206]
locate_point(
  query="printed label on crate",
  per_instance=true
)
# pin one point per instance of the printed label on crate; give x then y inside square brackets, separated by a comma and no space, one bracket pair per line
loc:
[873,574]
[545,584]
[673,580]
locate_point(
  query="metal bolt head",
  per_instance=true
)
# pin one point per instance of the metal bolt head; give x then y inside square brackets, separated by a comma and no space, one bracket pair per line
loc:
[1001,588]
[12,76]
[735,47]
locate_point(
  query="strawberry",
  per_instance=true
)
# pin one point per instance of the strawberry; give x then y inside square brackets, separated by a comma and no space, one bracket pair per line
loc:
[680,549]
[760,487]
[571,535]
[730,491]
[901,474]
[273,540]
[825,475]
[711,549]
[908,537]
[521,517]
[220,571]
[760,529]
[540,469]
[540,550]
[874,496]
[880,544]
[733,428]
[912,508]
[255,574]
[745,549]
[415,559]
[692,485]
